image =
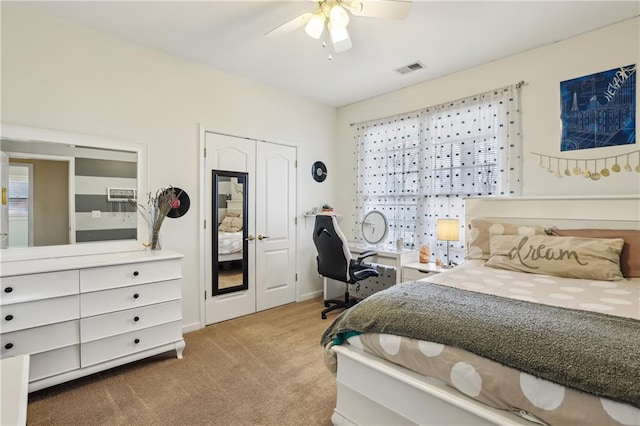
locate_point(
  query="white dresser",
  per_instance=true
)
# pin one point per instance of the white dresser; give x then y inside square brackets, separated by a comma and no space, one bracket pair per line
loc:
[77,315]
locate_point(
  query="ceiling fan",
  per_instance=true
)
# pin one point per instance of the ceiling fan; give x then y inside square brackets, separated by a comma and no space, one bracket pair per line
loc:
[334,14]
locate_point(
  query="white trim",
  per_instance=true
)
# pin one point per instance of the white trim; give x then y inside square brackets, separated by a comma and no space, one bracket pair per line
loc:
[202,216]
[310,295]
[31,134]
[72,200]
[188,328]
[202,213]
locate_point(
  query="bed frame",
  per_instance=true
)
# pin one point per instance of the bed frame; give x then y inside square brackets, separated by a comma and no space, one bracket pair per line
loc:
[229,257]
[373,391]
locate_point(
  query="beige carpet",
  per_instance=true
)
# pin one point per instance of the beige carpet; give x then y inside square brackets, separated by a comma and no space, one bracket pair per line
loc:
[262,369]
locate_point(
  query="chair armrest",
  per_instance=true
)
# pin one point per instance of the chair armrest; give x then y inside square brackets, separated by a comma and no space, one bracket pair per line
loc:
[366,254]
[364,274]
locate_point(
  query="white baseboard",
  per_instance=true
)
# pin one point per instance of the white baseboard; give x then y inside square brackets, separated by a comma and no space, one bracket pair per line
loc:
[198,325]
[312,295]
[192,327]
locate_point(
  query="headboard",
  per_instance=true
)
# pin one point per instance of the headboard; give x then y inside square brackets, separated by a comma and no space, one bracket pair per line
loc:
[610,212]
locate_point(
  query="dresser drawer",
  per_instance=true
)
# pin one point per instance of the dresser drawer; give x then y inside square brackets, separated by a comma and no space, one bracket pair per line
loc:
[39,339]
[124,344]
[106,277]
[102,302]
[411,274]
[40,312]
[101,326]
[25,288]
[46,364]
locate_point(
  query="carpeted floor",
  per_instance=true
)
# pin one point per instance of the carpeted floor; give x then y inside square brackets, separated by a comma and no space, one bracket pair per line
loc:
[262,369]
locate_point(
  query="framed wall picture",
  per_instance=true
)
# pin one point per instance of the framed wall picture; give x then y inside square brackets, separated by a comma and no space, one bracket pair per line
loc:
[599,110]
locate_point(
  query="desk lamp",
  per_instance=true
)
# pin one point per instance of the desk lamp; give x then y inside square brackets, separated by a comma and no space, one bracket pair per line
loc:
[448,230]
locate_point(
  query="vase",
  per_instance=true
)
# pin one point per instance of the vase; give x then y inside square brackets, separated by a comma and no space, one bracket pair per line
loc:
[156,243]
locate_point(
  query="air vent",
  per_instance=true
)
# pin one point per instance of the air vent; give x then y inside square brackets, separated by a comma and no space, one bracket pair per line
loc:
[410,68]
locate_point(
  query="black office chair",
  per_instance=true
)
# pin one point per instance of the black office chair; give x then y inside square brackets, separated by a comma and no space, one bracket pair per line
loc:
[335,261]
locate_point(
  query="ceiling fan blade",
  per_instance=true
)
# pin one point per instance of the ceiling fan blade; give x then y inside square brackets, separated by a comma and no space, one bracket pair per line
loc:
[289,26]
[393,9]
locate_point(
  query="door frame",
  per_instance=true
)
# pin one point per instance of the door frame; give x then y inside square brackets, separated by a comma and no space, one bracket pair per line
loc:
[71,187]
[202,213]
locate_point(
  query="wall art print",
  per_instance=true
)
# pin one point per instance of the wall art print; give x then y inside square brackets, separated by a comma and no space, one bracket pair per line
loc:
[599,110]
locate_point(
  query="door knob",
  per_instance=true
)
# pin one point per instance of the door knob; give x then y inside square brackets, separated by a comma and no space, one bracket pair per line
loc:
[262,237]
[250,238]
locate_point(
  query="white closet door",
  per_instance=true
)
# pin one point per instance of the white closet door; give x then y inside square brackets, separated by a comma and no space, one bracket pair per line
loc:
[275,225]
[238,155]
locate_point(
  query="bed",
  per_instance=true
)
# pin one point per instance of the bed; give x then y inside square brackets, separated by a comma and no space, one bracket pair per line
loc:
[487,343]
[230,236]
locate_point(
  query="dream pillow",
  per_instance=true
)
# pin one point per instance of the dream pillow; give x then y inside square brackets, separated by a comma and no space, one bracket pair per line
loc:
[570,257]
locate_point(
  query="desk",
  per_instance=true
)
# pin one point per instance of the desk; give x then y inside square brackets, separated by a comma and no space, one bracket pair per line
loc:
[385,256]
[14,385]
[418,271]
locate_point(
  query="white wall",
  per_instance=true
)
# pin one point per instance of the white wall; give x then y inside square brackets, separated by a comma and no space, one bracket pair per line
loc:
[542,69]
[59,75]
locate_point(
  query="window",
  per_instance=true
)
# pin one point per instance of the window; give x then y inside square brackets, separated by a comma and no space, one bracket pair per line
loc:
[418,167]
[18,191]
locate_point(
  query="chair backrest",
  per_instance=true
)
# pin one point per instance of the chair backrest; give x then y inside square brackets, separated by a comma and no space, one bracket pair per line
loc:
[334,257]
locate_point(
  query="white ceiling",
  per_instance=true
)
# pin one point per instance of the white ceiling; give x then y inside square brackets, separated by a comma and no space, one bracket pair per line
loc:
[446,36]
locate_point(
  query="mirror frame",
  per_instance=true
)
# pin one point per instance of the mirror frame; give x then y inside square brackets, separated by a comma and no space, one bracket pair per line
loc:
[32,134]
[215,290]
[386,226]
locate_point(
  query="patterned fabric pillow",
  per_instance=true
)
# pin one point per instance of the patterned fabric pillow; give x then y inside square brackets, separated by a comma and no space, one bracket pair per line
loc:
[230,224]
[481,229]
[570,257]
[630,257]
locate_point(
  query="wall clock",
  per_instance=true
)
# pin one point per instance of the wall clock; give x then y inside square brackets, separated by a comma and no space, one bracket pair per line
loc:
[319,171]
[374,227]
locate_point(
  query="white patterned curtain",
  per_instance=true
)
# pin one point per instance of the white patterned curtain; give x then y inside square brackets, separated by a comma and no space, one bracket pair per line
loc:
[418,167]
[388,172]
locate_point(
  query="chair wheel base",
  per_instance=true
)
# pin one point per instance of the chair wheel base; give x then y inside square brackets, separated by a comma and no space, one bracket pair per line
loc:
[338,304]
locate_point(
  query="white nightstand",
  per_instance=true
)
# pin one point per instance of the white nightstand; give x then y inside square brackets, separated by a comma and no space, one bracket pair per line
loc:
[417,271]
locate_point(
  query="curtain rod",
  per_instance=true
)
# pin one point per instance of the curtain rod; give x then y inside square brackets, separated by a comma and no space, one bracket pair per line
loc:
[517,85]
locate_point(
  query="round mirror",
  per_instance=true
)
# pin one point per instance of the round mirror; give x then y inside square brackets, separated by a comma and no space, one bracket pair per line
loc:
[374,227]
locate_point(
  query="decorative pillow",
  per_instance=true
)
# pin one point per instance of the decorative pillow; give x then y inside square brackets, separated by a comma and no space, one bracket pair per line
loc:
[232,214]
[570,257]
[481,229]
[230,224]
[630,256]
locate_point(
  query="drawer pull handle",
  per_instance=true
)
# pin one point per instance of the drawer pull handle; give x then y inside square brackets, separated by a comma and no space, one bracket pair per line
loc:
[136,341]
[8,289]
[8,317]
[136,273]
[135,296]
[136,319]
[8,346]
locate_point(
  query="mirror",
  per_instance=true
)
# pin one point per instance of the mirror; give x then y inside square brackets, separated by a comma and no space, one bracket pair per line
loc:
[375,227]
[62,188]
[230,239]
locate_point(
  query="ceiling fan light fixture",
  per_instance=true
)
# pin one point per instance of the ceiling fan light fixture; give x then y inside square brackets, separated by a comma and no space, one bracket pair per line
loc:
[315,26]
[340,38]
[338,16]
